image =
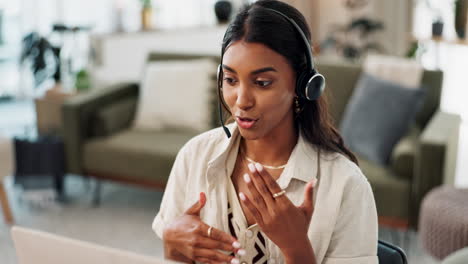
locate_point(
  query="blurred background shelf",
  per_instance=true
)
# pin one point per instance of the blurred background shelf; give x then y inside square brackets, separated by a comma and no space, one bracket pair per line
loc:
[455,41]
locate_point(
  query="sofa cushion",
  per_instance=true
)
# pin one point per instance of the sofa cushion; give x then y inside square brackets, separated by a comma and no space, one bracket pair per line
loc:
[176,94]
[404,153]
[392,193]
[404,71]
[340,76]
[114,117]
[377,116]
[135,154]
[341,80]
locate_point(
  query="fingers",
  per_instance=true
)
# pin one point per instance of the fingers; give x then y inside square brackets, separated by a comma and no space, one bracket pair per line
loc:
[173,254]
[252,209]
[209,261]
[219,235]
[271,184]
[260,184]
[210,256]
[266,185]
[256,196]
[196,208]
[209,243]
[205,248]
[308,204]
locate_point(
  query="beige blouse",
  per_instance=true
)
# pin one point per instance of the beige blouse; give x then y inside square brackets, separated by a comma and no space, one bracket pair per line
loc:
[343,228]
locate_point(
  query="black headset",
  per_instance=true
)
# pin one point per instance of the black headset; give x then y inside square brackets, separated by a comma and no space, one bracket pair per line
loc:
[310,84]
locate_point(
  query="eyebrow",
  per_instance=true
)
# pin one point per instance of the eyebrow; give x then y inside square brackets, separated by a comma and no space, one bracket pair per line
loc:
[266,69]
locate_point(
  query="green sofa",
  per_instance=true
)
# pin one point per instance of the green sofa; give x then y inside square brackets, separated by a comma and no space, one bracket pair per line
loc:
[100,142]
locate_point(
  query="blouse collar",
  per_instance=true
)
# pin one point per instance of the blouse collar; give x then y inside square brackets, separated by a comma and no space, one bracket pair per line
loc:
[302,163]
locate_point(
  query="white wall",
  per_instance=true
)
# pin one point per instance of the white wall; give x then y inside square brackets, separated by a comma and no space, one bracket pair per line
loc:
[101,14]
[123,56]
[39,15]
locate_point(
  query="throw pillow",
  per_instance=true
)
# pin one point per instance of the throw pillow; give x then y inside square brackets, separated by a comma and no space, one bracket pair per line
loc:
[176,94]
[377,116]
[407,72]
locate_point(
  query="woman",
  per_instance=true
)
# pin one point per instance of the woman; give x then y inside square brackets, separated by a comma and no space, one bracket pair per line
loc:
[283,188]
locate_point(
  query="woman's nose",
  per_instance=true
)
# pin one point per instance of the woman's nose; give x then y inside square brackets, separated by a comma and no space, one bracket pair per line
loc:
[245,98]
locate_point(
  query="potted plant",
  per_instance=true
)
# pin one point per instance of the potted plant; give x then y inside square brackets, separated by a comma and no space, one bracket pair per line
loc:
[437,27]
[435,7]
[146,14]
[42,57]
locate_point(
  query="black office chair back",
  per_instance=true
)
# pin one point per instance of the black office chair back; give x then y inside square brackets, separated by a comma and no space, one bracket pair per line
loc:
[390,254]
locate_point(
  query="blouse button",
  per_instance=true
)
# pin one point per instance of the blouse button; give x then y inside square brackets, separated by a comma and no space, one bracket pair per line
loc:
[249,233]
[243,262]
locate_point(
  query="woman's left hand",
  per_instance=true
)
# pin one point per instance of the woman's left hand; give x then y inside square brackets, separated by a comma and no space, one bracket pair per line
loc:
[285,224]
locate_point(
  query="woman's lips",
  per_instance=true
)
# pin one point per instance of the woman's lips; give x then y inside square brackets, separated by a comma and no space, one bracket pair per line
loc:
[246,123]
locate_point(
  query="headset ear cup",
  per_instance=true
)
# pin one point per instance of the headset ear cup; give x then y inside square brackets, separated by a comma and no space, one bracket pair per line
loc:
[315,86]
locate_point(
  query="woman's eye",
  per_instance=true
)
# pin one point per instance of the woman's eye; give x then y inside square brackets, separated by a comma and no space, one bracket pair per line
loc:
[229,80]
[263,83]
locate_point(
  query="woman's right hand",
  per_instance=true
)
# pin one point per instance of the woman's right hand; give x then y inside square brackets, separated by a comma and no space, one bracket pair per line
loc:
[186,239]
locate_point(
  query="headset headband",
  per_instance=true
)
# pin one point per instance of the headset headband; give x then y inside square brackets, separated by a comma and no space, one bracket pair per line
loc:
[308,52]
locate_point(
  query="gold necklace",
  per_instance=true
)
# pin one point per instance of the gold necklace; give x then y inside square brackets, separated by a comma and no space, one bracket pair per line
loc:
[266,166]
